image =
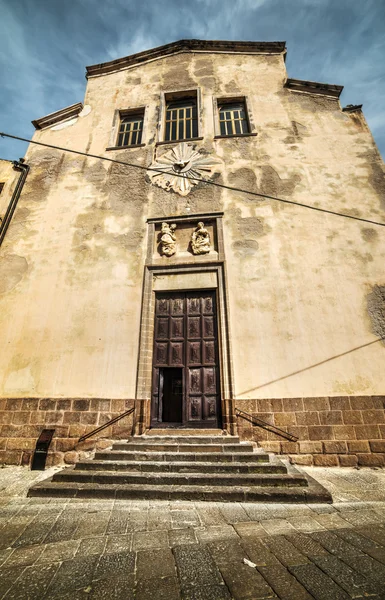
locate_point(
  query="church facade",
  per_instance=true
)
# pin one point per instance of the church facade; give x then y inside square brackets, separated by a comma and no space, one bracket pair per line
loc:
[199,240]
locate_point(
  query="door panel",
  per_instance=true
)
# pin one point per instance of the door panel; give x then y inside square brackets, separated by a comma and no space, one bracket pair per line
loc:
[186,348]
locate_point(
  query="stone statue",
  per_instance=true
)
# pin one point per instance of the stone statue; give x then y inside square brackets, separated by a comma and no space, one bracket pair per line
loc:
[200,240]
[168,239]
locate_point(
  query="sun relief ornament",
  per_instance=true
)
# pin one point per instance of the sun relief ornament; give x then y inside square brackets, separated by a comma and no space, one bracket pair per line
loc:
[180,166]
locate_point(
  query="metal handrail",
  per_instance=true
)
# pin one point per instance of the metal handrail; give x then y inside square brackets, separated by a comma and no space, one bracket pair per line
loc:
[105,425]
[268,426]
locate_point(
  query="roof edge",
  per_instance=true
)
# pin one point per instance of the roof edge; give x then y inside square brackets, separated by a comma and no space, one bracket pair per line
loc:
[60,115]
[186,46]
[314,87]
[350,108]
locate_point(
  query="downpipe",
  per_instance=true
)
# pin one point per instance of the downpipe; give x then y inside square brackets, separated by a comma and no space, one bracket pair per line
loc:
[18,165]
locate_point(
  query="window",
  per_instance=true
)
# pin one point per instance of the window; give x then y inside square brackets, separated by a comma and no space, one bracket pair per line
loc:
[130,128]
[181,119]
[233,118]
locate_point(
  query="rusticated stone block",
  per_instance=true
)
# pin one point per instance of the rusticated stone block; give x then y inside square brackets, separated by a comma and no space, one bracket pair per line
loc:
[20,417]
[10,431]
[47,404]
[267,417]
[373,416]
[301,459]
[361,402]
[382,430]
[100,405]
[307,418]
[276,404]
[26,458]
[105,417]
[367,432]
[54,418]
[54,459]
[352,417]
[271,446]
[3,403]
[325,460]
[6,417]
[371,460]
[71,417]
[335,447]
[302,433]
[37,417]
[3,443]
[284,418]
[118,406]
[21,444]
[344,432]
[348,460]
[330,417]
[358,446]
[292,404]
[263,405]
[81,404]
[76,430]
[14,404]
[339,403]
[89,418]
[103,444]
[30,404]
[257,433]
[377,445]
[310,447]
[10,457]
[63,404]
[378,402]
[321,432]
[64,444]
[289,447]
[316,404]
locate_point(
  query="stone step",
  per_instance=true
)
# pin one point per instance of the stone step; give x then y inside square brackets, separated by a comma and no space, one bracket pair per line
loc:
[167,447]
[179,467]
[185,432]
[179,456]
[225,479]
[313,493]
[180,439]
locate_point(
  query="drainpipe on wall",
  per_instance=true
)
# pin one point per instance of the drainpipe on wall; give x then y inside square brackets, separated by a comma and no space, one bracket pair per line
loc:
[18,165]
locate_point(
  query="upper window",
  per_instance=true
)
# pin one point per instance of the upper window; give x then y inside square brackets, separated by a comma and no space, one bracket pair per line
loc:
[181,119]
[233,118]
[130,128]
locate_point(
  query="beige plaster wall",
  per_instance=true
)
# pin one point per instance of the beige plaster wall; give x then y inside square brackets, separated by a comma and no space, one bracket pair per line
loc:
[72,266]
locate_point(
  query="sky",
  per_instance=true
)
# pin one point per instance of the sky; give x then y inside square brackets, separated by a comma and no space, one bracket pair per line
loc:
[46,44]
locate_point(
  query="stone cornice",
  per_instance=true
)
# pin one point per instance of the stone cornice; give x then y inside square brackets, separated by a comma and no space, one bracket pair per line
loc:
[60,115]
[313,87]
[186,46]
[350,108]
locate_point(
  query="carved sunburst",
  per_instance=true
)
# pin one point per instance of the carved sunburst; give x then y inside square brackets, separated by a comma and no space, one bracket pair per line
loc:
[179,168]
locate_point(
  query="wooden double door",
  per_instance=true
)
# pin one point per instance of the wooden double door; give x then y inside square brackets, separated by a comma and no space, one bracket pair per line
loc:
[185,389]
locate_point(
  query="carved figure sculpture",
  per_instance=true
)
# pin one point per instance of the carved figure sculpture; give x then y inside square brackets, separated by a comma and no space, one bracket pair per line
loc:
[168,239]
[200,240]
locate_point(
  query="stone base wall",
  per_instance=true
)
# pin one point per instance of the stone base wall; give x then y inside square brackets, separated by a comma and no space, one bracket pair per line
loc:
[23,419]
[331,431]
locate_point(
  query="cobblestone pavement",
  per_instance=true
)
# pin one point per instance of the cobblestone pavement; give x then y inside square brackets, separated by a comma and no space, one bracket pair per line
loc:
[159,550]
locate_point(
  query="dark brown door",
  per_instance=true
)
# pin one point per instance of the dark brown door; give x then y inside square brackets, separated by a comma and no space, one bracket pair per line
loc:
[185,365]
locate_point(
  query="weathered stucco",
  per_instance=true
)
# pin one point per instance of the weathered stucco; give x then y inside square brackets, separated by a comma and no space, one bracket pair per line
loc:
[72,262]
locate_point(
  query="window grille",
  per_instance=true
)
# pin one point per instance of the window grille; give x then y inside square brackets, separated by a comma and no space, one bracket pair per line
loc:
[233,118]
[130,130]
[181,120]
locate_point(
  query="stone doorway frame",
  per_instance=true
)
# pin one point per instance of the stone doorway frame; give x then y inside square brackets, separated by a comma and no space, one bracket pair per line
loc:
[205,274]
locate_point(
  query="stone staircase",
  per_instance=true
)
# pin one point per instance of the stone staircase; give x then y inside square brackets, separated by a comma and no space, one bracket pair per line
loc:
[184,467]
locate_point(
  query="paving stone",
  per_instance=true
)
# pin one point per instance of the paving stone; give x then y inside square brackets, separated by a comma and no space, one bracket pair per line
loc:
[283,583]
[196,566]
[375,533]
[59,551]
[305,524]
[184,518]
[9,577]
[37,531]
[155,564]
[157,589]
[118,543]
[210,515]
[306,545]
[158,518]
[332,521]
[180,537]
[258,553]
[115,564]
[119,587]
[243,581]
[361,518]
[118,521]
[64,527]
[137,520]
[4,554]
[233,512]
[146,540]
[89,526]
[91,546]
[335,544]
[361,542]
[72,575]
[355,584]
[277,526]
[213,532]
[33,582]
[286,552]
[207,592]
[250,529]
[319,585]
[24,556]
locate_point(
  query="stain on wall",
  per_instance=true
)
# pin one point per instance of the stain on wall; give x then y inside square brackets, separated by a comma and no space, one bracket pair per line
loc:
[376,310]
[12,271]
